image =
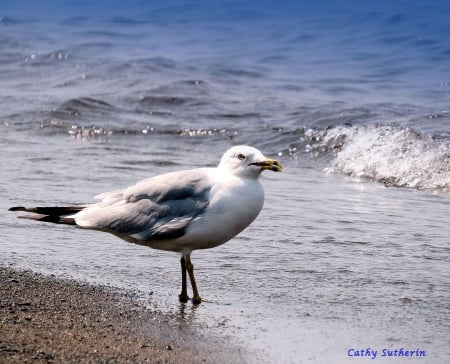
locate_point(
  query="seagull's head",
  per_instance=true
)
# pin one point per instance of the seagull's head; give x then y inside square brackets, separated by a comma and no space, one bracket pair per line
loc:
[245,161]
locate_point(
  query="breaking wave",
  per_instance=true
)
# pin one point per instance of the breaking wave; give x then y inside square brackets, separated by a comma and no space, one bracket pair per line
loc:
[394,155]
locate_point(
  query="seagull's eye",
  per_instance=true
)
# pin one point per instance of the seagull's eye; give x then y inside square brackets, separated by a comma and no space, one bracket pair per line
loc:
[241,157]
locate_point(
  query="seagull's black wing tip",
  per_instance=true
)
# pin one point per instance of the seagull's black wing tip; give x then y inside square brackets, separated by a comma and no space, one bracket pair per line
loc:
[17,208]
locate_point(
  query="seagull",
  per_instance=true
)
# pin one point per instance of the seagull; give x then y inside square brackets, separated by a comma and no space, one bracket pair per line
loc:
[178,211]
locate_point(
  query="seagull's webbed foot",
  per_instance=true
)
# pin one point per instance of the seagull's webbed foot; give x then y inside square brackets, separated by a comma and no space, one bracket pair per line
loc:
[183,298]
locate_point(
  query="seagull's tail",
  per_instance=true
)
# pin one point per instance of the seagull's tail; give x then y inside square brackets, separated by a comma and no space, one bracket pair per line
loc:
[56,214]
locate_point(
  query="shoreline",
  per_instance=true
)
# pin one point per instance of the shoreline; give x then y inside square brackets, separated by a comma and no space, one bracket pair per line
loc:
[49,320]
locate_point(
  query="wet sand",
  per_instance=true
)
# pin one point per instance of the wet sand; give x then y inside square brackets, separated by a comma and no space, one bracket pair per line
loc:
[49,320]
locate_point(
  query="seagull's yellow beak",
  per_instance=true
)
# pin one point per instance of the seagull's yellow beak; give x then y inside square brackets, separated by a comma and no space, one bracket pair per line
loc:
[269,164]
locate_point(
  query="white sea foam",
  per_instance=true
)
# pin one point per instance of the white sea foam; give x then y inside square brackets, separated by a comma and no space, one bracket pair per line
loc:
[394,155]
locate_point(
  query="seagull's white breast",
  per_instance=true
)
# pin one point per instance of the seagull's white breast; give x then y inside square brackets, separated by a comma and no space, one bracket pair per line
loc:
[234,204]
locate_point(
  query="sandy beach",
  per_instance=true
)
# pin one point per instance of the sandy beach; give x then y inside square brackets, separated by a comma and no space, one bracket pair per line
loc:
[49,320]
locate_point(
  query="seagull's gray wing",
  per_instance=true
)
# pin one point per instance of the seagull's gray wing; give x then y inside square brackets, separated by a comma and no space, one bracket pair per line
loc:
[157,208]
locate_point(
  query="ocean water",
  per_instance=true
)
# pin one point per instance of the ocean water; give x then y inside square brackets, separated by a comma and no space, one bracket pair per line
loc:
[351,250]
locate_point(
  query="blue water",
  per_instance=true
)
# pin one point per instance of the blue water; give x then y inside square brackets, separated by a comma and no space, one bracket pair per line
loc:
[352,247]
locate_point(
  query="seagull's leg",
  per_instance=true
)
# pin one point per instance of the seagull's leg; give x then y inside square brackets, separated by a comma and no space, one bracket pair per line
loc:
[190,268]
[183,297]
